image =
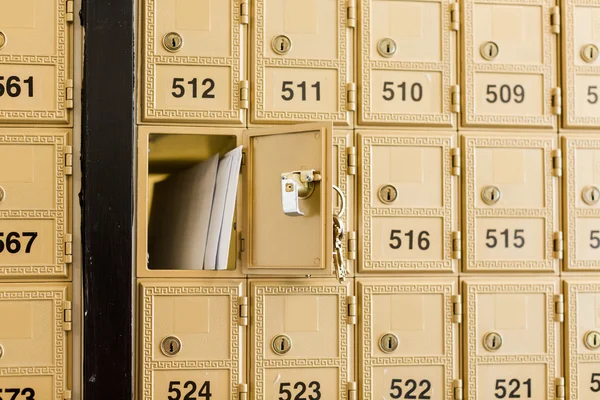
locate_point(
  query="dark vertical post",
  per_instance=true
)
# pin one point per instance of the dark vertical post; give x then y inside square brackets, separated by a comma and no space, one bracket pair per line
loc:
[107,197]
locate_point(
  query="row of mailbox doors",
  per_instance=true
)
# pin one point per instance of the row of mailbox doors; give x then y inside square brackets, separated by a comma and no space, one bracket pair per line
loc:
[194,58]
[383,339]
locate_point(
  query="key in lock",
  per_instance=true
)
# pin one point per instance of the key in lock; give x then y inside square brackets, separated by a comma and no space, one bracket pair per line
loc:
[170,346]
[281,344]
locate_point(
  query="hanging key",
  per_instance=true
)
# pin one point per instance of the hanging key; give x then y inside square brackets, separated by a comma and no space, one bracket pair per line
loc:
[338,255]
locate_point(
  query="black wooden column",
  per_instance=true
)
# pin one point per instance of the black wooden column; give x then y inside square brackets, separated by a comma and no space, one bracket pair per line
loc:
[107,197]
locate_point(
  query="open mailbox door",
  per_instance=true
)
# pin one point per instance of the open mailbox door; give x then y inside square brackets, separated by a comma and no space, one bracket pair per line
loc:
[288,197]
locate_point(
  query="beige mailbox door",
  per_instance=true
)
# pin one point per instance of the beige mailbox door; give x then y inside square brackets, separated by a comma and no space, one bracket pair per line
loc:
[192,339]
[582,341]
[344,174]
[36,85]
[193,62]
[409,344]
[34,192]
[580,64]
[35,344]
[408,201]
[288,193]
[301,56]
[581,195]
[301,339]
[509,72]
[511,338]
[510,213]
[407,63]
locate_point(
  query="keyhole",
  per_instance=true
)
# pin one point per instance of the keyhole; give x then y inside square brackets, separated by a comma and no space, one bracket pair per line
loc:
[282,46]
[389,343]
[282,344]
[171,348]
[174,43]
[389,197]
[595,340]
[494,342]
[491,51]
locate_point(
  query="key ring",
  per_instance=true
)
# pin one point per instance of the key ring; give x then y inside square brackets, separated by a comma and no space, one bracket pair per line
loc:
[343,207]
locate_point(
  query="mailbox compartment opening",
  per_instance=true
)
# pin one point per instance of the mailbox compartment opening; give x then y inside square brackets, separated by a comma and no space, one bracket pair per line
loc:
[181,170]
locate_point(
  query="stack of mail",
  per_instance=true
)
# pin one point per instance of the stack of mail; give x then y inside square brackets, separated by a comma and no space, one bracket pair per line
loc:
[192,215]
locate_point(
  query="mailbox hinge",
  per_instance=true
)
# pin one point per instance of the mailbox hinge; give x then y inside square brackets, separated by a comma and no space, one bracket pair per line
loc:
[455,153]
[555,19]
[556,101]
[457,309]
[243,391]
[560,388]
[68,395]
[244,12]
[351,101]
[557,245]
[351,16]
[351,310]
[243,314]
[559,308]
[70,14]
[351,164]
[244,94]
[557,162]
[68,160]
[456,245]
[351,246]
[458,389]
[69,94]
[68,248]
[352,390]
[455,100]
[454,16]
[68,315]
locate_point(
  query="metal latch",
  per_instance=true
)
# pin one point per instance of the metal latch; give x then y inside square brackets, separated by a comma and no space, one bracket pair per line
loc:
[297,185]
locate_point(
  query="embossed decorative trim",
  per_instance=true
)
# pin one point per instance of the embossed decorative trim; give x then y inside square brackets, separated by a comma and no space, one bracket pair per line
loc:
[59,60]
[260,344]
[59,268]
[473,360]
[472,212]
[150,365]
[367,212]
[58,367]
[152,59]
[547,69]
[445,66]
[260,62]
[571,210]
[369,361]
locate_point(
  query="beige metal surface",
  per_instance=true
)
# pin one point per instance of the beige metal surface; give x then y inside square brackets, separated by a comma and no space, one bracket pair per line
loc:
[581,213]
[414,232]
[522,312]
[509,62]
[407,63]
[36,85]
[580,64]
[582,364]
[419,313]
[205,317]
[307,80]
[314,314]
[35,210]
[517,231]
[197,74]
[35,341]
[304,243]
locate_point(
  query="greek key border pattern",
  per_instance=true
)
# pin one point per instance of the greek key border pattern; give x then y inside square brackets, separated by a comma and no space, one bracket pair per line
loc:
[151,60]
[149,365]
[259,339]
[58,371]
[367,212]
[472,213]
[261,62]
[471,68]
[573,335]
[444,67]
[473,360]
[368,362]
[573,213]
